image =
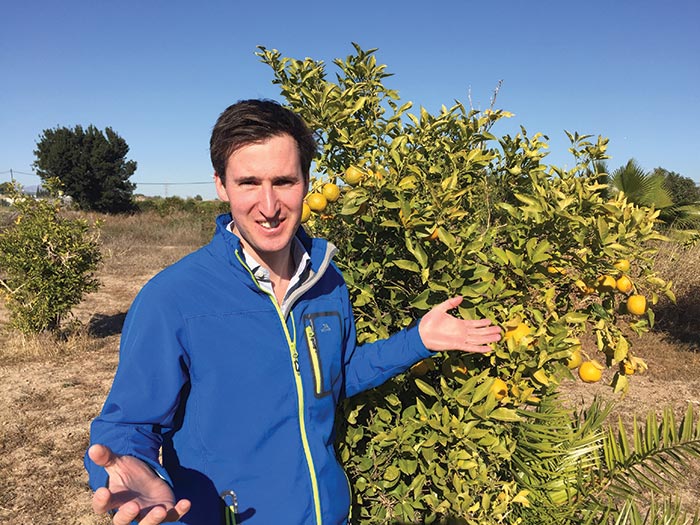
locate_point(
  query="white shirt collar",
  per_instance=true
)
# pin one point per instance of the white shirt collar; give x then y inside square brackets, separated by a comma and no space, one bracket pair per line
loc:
[300,259]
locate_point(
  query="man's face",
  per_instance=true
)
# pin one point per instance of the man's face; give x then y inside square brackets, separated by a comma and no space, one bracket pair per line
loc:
[265,188]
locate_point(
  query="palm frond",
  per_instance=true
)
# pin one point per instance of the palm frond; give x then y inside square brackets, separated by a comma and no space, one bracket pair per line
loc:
[640,187]
[668,512]
[682,216]
[654,461]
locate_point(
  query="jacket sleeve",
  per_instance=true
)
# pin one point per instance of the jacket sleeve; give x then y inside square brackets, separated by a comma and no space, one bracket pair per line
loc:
[371,364]
[153,369]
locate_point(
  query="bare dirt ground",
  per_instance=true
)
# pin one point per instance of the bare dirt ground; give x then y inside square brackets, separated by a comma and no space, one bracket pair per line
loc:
[50,391]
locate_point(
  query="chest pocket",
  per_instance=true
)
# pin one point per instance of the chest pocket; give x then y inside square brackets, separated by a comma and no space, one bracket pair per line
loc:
[323,332]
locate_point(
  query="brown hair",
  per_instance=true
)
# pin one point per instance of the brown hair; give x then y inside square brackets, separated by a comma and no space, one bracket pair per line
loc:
[250,121]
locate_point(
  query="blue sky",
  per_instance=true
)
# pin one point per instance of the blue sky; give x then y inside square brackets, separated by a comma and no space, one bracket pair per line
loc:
[159,72]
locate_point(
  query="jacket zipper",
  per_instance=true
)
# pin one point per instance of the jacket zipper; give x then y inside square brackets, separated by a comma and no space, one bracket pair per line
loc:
[294,354]
[313,353]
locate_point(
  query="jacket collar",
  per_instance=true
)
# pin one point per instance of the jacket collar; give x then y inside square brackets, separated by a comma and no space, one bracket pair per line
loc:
[225,245]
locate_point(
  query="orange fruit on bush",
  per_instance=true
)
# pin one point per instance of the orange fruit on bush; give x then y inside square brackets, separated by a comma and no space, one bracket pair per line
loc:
[627,368]
[499,388]
[606,283]
[305,212]
[637,304]
[590,372]
[517,333]
[331,191]
[576,357]
[353,175]
[623,265]
[624,284]
[317,202]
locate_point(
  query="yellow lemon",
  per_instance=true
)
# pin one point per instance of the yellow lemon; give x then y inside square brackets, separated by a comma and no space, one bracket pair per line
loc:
[331,192]
[305,212]
[576,357]
[499,389]
[624,284]
[353,175]
[627,368]
[623,265]
[517,333]
[606,283]
[317,202]
[590,372]
[636,304]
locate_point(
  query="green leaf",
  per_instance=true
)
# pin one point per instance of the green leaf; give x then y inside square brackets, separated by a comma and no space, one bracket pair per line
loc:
[406,265]
[425,388]
[505,414]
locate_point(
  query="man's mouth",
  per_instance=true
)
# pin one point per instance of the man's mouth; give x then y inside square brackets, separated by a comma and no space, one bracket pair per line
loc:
[269,225]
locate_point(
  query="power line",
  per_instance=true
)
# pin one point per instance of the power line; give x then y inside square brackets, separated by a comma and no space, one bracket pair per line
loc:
[11,171]
[170,183]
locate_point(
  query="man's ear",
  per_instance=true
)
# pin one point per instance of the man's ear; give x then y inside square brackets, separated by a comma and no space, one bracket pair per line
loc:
[220,187]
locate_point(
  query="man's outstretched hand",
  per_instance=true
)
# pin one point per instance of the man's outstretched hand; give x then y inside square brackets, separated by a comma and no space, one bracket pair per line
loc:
[134,491]
[441,331]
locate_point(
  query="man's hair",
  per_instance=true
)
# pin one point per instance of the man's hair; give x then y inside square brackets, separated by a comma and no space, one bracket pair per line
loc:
[253,121]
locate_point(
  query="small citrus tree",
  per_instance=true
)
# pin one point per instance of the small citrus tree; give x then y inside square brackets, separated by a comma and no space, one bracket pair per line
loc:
[432,206]
[47,262]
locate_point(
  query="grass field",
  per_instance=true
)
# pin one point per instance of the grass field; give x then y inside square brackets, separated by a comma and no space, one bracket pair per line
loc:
[50,390]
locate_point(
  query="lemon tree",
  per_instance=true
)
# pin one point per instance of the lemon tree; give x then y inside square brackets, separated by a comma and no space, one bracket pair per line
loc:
[436,205]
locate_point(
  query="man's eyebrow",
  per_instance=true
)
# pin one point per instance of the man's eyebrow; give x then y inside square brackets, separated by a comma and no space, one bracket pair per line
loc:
[245,179]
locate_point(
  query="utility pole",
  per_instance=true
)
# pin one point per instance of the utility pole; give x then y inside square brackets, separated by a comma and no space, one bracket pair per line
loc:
[12,177]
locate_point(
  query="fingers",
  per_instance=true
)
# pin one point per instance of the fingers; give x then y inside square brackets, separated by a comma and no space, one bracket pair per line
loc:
[449,304]
[101,455]
[101,500]
[179,510]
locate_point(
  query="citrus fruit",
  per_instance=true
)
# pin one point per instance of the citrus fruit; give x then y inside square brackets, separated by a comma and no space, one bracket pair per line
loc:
[305,212]
[590,372]
[624,284]
[606,283]
[636,304]
[623,265]
[517,333]
[331,191]
[499,389]
[317,202]
[576,358]
[627,368]
[353,175]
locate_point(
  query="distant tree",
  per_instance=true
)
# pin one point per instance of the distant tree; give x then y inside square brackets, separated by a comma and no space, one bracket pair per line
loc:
[683,190]
[6,188]
[654,189]
[91,165]
[640,187]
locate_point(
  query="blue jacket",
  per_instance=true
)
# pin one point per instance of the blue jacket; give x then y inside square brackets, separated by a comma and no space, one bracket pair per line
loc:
[239,396]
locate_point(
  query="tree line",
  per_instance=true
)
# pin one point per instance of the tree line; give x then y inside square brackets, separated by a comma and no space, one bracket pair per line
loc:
[92,167]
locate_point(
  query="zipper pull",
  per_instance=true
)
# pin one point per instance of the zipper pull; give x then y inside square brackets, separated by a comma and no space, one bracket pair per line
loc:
[295,356]
[231,509]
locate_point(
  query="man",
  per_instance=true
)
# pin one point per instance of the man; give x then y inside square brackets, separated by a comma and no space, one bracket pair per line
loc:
[233,360]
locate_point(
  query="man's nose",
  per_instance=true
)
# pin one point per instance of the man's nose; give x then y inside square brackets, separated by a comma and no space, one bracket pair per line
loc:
[269,203]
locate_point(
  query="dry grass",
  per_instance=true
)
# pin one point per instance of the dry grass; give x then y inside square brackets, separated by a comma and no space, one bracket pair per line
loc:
[50,390]
[680,321]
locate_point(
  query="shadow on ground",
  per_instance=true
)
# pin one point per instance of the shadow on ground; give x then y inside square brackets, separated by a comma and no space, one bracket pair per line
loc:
[681,321]
[101,325]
